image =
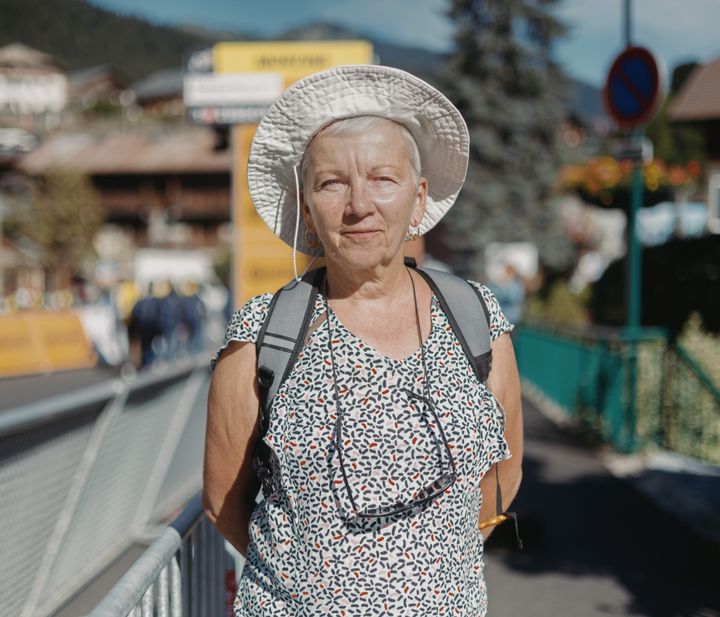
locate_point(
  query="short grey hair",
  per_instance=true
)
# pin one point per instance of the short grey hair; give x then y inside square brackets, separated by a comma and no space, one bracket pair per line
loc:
[357,125]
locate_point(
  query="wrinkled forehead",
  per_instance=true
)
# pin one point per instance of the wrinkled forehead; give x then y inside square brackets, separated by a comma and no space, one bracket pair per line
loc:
[366,129]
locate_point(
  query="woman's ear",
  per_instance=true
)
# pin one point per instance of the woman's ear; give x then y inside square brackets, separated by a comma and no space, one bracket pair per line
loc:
[305,209]
[418,211]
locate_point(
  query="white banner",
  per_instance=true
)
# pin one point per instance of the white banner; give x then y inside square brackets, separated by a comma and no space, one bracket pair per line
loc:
[234,114]
[33,94]
[227,89]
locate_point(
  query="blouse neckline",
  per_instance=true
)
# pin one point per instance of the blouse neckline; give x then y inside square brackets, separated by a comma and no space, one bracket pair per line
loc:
[337,324]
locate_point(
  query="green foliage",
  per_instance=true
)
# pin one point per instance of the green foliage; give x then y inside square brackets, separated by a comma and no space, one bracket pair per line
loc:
[81,35]
[558,306]
[61,220]
[103,109]
[702,345]
[510,92]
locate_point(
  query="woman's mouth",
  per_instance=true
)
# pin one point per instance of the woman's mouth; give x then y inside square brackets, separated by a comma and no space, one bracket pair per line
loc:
[360,234]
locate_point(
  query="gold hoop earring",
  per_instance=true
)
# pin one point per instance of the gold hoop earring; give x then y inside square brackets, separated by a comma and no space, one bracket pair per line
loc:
[413,233]
[311,239]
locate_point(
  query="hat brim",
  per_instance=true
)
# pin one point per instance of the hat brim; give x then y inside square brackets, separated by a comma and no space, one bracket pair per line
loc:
[343,92]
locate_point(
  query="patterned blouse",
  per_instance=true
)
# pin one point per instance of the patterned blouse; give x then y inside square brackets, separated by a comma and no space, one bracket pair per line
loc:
[308,555]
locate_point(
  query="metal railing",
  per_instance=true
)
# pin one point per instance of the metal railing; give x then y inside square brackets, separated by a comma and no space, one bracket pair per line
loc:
[186,572]
[84,474]
[634,391]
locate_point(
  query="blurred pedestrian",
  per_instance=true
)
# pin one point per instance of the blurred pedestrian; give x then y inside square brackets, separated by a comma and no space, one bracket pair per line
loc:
[510,292]
[193,315]
[145,326]
[171,321]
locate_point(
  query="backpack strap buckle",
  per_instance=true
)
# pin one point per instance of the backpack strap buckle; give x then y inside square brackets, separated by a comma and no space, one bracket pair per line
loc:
[261,465]
[265,377]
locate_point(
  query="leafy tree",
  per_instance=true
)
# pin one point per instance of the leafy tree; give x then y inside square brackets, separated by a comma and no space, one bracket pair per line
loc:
[61,219]
[505,83]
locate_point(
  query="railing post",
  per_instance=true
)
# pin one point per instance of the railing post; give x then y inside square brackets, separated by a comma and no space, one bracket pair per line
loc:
[176,591]
[147,601]
[163,600]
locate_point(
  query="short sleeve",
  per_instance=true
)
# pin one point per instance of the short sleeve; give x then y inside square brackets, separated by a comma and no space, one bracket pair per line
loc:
[499,324]
[245,324]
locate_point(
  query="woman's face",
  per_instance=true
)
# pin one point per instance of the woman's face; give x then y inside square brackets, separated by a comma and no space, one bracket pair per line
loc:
[360,195]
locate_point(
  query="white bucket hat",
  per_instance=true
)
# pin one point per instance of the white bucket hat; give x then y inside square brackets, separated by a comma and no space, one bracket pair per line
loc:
[343,92]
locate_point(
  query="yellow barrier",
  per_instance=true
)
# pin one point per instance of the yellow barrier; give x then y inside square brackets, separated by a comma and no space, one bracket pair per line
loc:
[42,342]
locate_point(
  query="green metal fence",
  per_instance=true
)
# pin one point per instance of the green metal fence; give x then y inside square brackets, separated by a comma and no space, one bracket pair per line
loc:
[634,391]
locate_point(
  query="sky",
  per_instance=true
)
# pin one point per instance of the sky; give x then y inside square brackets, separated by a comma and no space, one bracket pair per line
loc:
[676,30]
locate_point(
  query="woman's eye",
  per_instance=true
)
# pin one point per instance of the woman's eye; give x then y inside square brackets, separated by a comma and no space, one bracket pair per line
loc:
[331,183]
[384,179]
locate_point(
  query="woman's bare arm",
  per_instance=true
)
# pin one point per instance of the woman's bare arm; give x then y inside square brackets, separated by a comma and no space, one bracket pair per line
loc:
[504,383]
[229,481]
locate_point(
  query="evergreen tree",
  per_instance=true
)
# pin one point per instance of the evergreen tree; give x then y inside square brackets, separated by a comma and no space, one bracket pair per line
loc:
[505,83]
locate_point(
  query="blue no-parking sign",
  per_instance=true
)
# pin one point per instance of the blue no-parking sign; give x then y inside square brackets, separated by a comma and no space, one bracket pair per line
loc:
[634,88]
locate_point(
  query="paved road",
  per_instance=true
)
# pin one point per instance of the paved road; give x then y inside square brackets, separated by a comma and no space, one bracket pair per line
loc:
[595,547]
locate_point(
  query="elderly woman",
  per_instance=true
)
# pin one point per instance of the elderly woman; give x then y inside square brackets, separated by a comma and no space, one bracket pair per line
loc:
[381,400]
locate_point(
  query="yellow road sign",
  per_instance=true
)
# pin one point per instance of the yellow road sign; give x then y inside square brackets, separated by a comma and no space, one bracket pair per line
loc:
[263,262]
[292,59]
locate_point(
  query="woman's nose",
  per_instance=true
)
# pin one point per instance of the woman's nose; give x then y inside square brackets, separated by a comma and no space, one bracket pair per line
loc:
[359,202]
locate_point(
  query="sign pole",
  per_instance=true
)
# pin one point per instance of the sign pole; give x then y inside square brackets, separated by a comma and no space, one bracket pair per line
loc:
[634,272]
[633,92]
[633,293]
[634,283]
[634,275]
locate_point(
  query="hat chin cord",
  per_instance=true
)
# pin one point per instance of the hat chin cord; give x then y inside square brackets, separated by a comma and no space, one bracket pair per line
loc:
[297,229]
[297,221]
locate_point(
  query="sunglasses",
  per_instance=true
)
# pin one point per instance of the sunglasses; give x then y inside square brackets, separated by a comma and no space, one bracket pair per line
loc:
[426,494]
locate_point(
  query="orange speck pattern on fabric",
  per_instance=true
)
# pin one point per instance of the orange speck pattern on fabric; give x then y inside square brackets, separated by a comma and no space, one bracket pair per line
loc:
[307,555]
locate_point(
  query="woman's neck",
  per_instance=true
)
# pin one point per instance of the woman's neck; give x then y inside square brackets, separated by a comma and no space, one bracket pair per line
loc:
[376,283]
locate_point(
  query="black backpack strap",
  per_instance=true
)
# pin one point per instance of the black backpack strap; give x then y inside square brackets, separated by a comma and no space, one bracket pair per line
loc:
[278,344]
[468,315]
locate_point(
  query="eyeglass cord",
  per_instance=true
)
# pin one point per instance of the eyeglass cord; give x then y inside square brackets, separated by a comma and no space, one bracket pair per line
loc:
[339,419]
[501,516]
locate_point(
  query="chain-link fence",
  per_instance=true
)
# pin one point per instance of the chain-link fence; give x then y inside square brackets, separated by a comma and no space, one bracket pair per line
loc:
[690,422]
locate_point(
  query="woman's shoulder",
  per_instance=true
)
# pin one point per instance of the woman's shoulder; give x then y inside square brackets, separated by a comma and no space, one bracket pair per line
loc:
[248,319]
[499,324]
[245,323]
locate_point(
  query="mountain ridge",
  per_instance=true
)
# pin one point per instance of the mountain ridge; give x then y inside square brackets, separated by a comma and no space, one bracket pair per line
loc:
[81,35]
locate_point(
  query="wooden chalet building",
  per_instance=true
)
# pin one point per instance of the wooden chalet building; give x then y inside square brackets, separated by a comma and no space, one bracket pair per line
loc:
[160,187]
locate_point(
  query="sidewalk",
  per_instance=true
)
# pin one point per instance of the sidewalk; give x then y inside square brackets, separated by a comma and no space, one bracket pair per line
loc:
[684,487]
[595,545]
